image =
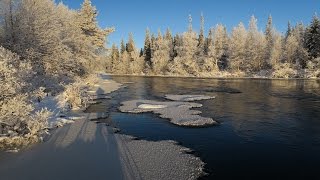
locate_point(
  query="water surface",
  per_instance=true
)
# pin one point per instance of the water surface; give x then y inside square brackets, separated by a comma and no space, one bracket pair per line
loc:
[268,128]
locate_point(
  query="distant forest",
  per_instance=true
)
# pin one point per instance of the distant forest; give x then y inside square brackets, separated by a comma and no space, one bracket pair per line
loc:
[243,53]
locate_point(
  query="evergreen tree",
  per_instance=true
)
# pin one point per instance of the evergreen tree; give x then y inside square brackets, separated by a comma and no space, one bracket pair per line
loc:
[141,52]
[169,39]
[176,43]
[238,48]
[161,55]
[130,46]
[209,61]
[122,46]
[276,51]
[168,35]
[302,53]
[269,38]
[313,38]
[153,44]
[9,17]
[88,24]
[147,49]
[184,62]
[294,51]
[115,55]
[200,52]
[255,48]
[220,42]
[289,29]
[201,35]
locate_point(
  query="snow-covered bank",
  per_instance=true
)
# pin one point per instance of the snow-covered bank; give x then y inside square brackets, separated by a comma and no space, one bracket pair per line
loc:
[276,74]
[64,108]
[68,106]
[179,113]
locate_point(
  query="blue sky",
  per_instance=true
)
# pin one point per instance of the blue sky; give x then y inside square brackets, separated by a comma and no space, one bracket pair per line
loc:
[136,15]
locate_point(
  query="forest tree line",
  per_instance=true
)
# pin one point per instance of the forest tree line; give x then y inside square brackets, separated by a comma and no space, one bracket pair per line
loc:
[243,52]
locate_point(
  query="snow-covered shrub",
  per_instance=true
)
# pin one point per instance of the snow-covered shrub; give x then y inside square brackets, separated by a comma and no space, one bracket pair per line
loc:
[75,95]
[71,97]
[284,70]
[314,68]
[16,119]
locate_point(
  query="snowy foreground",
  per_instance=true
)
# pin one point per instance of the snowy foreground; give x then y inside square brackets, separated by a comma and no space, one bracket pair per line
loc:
[86,150]
[178,111]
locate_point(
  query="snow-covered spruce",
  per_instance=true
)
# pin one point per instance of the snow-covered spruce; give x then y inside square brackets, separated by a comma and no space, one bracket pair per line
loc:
[179,113]
[187,98]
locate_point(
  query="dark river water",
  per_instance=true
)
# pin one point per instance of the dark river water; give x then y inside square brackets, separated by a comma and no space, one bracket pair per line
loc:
[268,128]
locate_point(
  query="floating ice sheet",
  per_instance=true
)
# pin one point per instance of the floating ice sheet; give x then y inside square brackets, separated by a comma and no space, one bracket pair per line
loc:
[188,97]
[179,113]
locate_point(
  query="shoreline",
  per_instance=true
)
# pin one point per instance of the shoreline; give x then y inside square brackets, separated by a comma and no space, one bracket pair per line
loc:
[205,77]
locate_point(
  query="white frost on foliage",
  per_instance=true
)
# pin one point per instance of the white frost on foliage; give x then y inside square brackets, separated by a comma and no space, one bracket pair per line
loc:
[59,115]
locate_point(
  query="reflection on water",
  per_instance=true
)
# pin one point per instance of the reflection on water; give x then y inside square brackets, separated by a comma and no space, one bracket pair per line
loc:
[271,129]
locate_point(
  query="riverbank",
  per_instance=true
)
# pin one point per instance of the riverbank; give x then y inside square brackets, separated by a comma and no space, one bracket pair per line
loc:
[213,77]
[86,150]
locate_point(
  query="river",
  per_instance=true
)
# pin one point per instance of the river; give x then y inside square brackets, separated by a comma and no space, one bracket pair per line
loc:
[267,128]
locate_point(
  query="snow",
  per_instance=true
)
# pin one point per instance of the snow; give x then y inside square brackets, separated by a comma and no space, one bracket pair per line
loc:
[151,106]
[188,97]
[159,160]
[178,113]
[62,115]
[59,116]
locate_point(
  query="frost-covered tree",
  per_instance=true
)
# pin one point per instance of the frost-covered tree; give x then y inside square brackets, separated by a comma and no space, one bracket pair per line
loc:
[185,62]
[255,47]
[208,63]
[269,38]
[294,51]
[289,30]
[169,39]
[39,36]
[8,20]
[200,52]
[237,48]
[161,55]
[276,51]
[136,63]
[201,34]
[153,43]
[147,48]
[122,65]
[88,23]
[177,41]
[115,55]
[122,46]
[220,42]
[130,46]
[312,37]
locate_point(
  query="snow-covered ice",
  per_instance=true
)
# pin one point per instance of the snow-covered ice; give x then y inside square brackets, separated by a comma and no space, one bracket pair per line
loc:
[151,106]
[188,97]
[179,113]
